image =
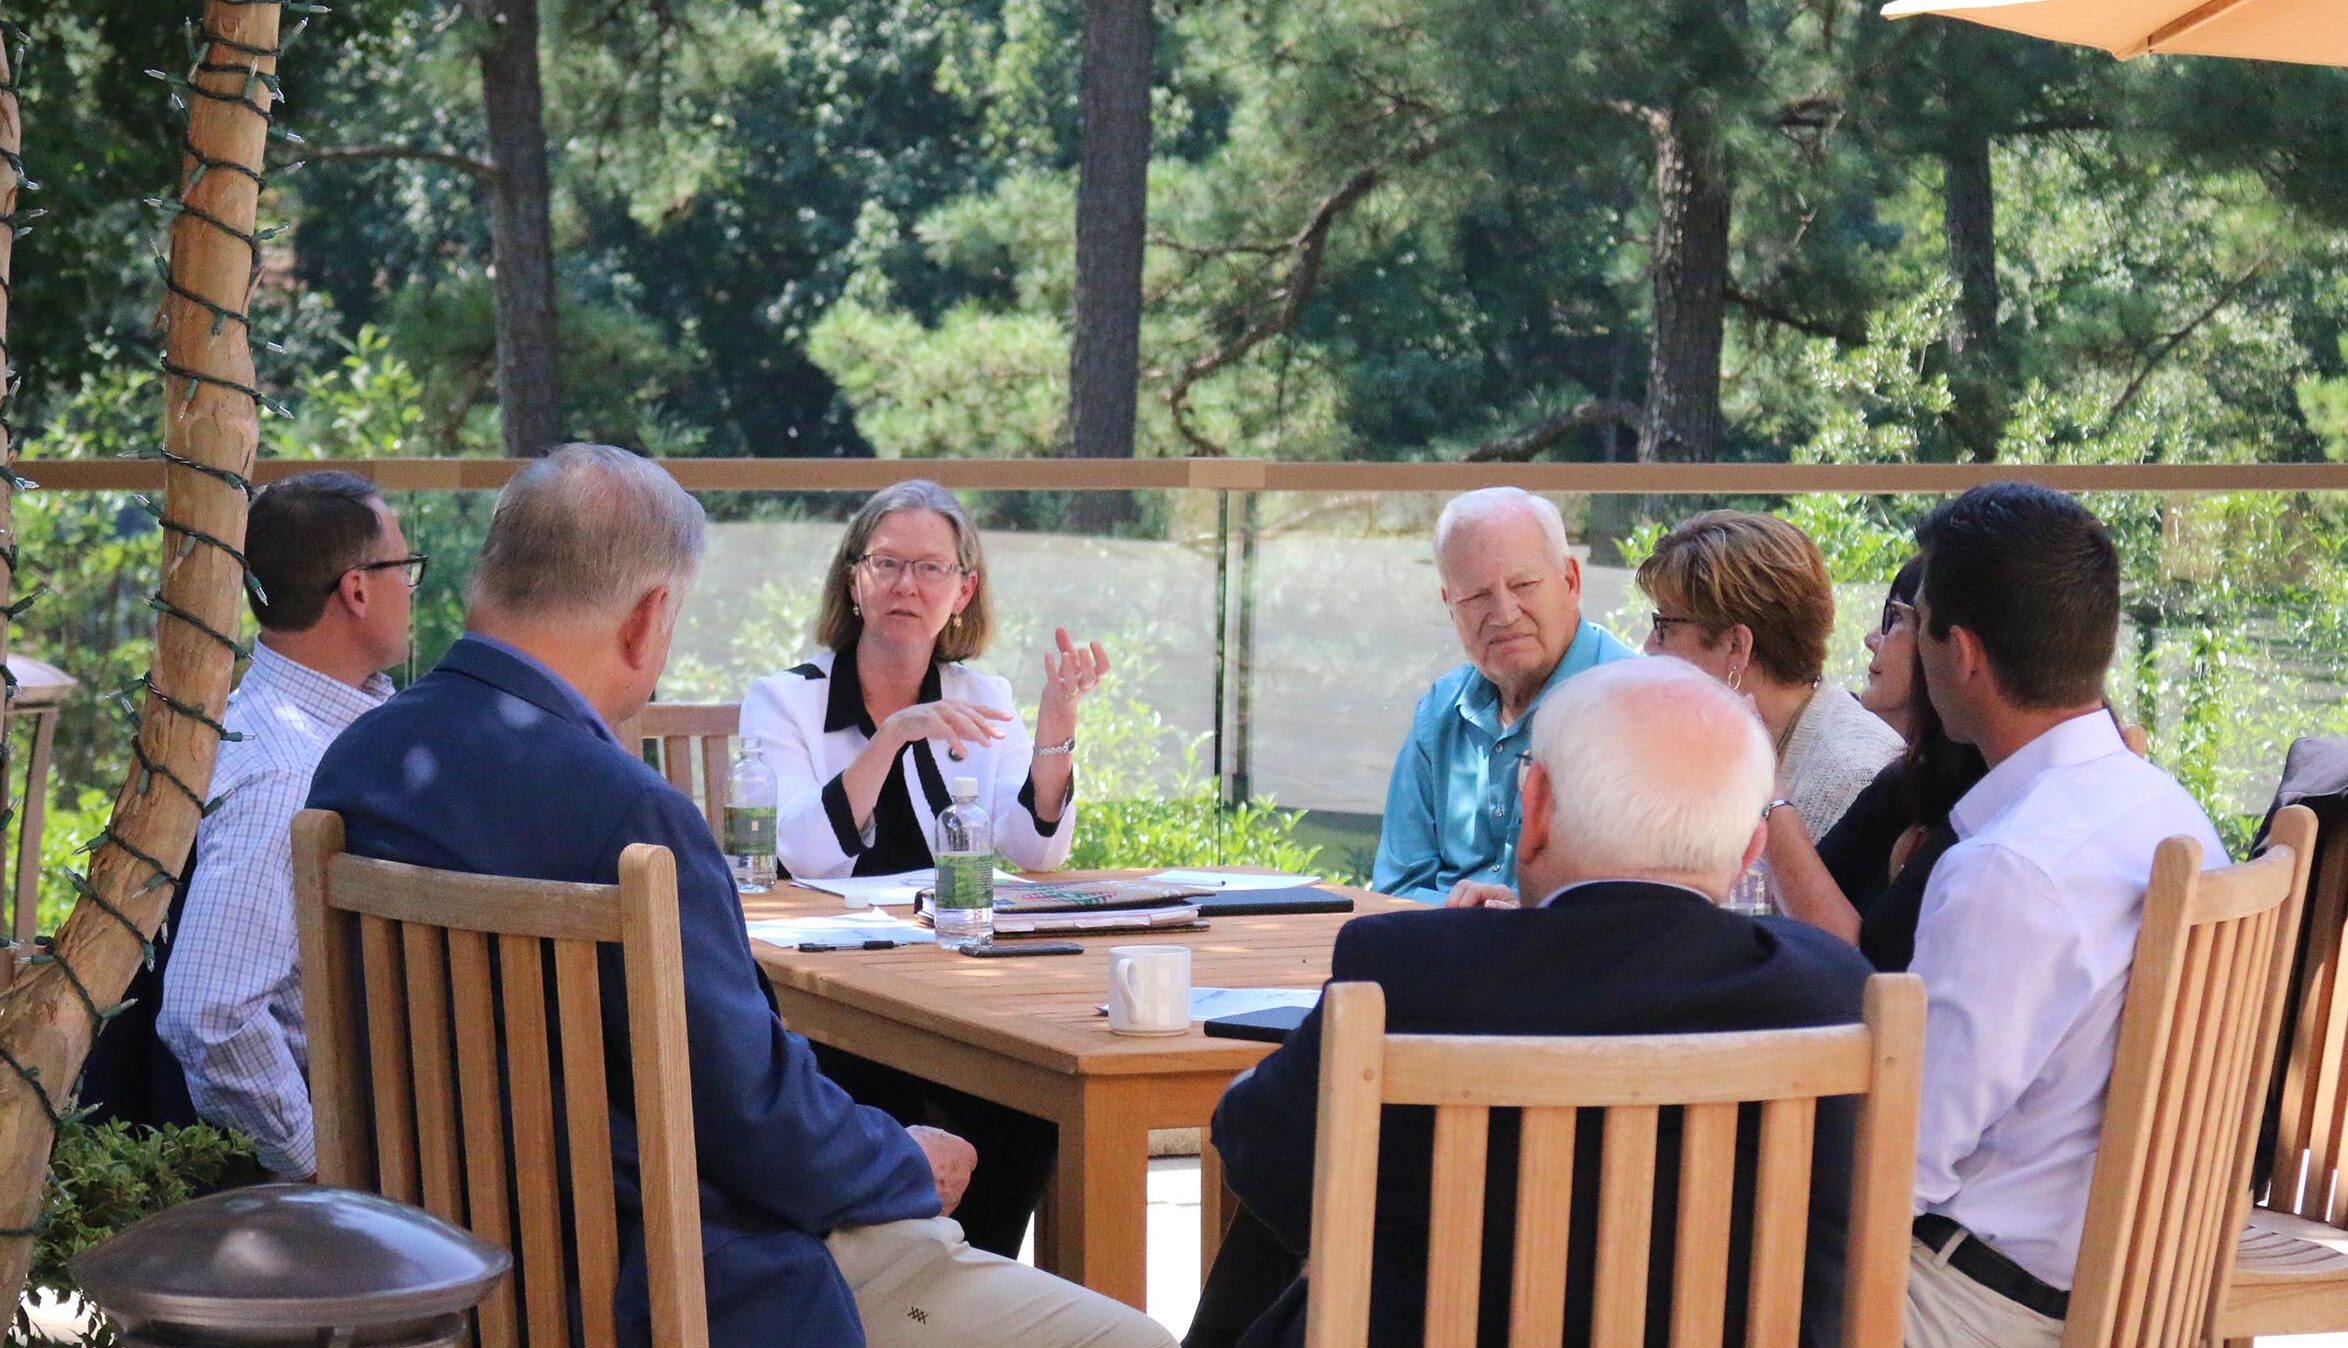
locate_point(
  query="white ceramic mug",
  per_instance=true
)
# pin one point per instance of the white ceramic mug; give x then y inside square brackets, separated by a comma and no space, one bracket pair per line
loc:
[1149,989]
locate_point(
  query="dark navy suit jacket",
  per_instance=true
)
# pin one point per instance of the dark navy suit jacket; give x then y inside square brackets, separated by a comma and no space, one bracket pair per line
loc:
[490,765]
[1616,957]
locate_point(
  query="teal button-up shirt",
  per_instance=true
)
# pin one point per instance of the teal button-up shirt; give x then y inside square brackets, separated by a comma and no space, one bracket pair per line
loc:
[1451,805]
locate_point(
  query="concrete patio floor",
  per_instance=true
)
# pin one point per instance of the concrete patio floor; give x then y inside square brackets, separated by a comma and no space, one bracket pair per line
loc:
[1174,1271]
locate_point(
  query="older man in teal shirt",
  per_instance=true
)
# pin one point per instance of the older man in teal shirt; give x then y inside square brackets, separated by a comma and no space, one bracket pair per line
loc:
[1515,595]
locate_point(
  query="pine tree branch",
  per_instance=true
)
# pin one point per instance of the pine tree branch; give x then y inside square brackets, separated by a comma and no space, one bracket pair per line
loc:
[1306,249]
[2168,345]
[478,168]
[1525,445]
[1769,310]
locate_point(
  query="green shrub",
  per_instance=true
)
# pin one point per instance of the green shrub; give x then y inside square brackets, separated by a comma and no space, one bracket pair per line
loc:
[107,1177]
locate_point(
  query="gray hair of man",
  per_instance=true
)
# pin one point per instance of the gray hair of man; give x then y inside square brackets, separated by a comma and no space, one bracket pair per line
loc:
[1485,503]
[586,532]
[1655,768]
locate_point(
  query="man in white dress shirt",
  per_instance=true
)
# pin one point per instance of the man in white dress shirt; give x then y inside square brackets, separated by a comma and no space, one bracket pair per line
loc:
[2029,923]
[336,584]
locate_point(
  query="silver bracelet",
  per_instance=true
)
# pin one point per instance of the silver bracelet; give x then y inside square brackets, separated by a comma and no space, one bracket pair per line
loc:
[1064,747]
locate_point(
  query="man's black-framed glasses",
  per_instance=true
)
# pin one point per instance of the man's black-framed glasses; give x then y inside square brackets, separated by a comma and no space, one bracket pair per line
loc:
[411,568]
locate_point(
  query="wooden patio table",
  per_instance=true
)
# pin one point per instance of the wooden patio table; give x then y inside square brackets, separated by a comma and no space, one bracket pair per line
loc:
[1024,1033]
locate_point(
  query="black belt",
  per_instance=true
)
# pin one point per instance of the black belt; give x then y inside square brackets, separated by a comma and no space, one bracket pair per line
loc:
[1973,1257]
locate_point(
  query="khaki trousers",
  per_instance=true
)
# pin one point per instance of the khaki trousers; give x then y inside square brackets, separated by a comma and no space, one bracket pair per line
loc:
[1946,1309]
[918,1284]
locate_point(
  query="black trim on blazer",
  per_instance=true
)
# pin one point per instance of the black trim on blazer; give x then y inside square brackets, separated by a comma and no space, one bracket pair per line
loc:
[1027,802]
[835,808]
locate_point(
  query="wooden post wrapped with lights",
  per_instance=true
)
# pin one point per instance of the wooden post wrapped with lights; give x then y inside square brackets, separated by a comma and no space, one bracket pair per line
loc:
[53,1009]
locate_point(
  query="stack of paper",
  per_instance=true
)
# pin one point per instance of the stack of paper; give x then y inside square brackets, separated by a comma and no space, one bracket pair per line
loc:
[1097,919]
[885,891]
[840,929]
[1231,882]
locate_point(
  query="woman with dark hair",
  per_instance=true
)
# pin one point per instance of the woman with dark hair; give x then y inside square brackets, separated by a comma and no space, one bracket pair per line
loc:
[1864,881]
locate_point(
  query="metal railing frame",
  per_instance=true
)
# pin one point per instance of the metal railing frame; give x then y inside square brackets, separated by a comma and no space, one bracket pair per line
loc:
[1240,481]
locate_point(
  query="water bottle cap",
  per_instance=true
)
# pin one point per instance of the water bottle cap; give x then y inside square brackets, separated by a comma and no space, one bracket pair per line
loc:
[750,745]
[965,788]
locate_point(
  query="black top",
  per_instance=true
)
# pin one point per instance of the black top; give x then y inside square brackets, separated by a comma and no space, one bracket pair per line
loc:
[898,841]
[1857,852]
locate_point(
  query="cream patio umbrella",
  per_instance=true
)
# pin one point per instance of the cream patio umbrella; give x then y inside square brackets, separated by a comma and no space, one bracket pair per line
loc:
[2310,31]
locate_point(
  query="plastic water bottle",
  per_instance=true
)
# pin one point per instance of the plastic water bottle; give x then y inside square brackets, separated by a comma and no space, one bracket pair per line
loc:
[965,854]
[750,820]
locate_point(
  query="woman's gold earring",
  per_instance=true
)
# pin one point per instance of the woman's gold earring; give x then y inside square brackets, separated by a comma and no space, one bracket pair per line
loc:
[1736,680]
[954,622]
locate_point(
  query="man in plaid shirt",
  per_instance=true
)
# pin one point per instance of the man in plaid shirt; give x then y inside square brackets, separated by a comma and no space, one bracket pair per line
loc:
[336,582]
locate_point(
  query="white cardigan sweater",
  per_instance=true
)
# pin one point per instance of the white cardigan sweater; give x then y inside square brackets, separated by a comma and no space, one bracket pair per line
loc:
[811,723]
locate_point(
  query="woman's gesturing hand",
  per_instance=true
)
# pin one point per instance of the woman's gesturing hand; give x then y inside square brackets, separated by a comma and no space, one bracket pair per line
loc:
[1069,678]
[959,724]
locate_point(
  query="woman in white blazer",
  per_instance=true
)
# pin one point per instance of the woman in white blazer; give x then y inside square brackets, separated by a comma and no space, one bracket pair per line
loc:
[865,738]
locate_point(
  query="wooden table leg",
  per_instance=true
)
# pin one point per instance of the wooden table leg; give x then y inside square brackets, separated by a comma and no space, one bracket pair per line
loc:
[1100,1193]
[1217,1205]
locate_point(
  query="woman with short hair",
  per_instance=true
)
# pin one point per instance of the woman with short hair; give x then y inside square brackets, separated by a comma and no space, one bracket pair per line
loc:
[1746,598]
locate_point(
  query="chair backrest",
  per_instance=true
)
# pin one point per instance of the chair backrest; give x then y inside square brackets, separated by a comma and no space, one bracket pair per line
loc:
[689,736]
[1632,1079]
[438,1053]
[2197,1036]
[40,691]
[2311,1129]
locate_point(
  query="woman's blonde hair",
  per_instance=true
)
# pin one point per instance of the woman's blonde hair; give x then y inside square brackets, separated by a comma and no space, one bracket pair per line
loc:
[1726,567]
[837,623]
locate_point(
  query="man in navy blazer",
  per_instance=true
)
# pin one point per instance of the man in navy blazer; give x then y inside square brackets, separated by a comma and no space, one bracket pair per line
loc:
[823,1221]
[1643,801]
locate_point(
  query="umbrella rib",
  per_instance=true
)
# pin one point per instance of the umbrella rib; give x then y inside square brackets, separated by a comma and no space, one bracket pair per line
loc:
[2183,25]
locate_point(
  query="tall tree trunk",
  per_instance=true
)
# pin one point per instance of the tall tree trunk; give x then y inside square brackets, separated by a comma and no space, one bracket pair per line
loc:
[11,178]
[521,242]
[1969,220]
[209,436]
[1690,265]
[1112,210]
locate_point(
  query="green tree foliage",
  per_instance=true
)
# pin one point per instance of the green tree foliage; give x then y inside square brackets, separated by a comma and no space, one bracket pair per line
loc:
[1397,230]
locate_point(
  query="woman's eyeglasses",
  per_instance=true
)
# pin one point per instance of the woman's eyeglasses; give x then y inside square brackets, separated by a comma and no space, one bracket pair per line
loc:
[1661,625]
[412,567]
[888,570]
[1898,613]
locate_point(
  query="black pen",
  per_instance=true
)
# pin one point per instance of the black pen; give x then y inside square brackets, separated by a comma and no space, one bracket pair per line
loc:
[875,944]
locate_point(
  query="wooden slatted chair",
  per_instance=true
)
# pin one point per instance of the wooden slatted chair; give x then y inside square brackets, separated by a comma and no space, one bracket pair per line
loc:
[2291,1265]
[690,735]
[2189,1078]
[1632,1078]
[434,1078]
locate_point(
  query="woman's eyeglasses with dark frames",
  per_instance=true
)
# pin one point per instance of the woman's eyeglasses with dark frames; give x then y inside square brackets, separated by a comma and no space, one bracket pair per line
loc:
[887,569]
